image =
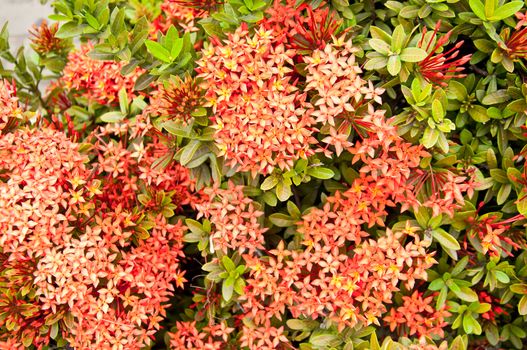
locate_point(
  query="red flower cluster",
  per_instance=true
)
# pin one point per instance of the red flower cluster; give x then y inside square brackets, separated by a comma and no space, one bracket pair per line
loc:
[94,267]
[98,81]
[419,316]
[10,110]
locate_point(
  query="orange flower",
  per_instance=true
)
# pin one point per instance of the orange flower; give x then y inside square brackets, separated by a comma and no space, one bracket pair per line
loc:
[418,317]
[262,121]
[235,220]
[10,110]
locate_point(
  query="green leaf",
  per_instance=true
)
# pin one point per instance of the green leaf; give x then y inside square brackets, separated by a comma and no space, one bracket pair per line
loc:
[413,54]
[478,8]
[445,239]
[143,81]
[282,220]
[466,294]
[239,286]
[394,65]
[228,263]
[69,30]
[320,173]
[380,46]
[158,51]
[398,38]
[490,6]
[176,48]
[376,63]
[188,152]
[436,284]
[430,137]
[378,33]
[457,91]
[522,305]
[301,325]
[283,191]
[502,277]
[478,113]
[506,10]
[323,340]
[123,101]
[269,183]
[112,117]
[437,111]
[519,288]
[227,291]
[495,97]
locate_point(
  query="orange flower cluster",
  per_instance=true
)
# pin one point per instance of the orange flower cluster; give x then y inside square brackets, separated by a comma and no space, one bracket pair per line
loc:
[262,121]
[9,108]
[188,337]
[98,81]
[326,281]
[175,13]
[124,167]
[334,75]
[103,276]
[235,218]
[44,171]
[419,316]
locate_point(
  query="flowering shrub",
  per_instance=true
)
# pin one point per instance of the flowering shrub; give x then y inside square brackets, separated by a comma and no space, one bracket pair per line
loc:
[257,174]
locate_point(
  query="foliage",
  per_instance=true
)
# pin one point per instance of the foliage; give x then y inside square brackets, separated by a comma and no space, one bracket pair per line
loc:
[257,174]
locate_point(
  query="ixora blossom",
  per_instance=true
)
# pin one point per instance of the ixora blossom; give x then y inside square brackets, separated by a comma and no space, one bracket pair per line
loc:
[95,278]
[181,13]
[262,121]
[176,99]
[10,109]
[418,316]
[439,67]
[98,81]
[235,220]
[341,94]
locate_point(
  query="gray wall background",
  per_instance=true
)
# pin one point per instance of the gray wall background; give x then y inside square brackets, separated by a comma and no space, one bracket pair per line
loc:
[21,15]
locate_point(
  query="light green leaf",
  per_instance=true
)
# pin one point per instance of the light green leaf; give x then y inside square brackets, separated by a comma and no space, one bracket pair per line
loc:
[188,152]
[227,291]
[158,51]
[320,173]
[380,46]
[394,64]
[478,8]
[466,294]
[283,191]
[522,305]
[269,183]
[430,137]
[112,117]
[495,97]
[398,39]
[478,113]
[445,239]
[282,220]
[176,48]
[506,10]
[413,54]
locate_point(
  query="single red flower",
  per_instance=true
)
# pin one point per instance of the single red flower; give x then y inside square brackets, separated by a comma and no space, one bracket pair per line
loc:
[438,68]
